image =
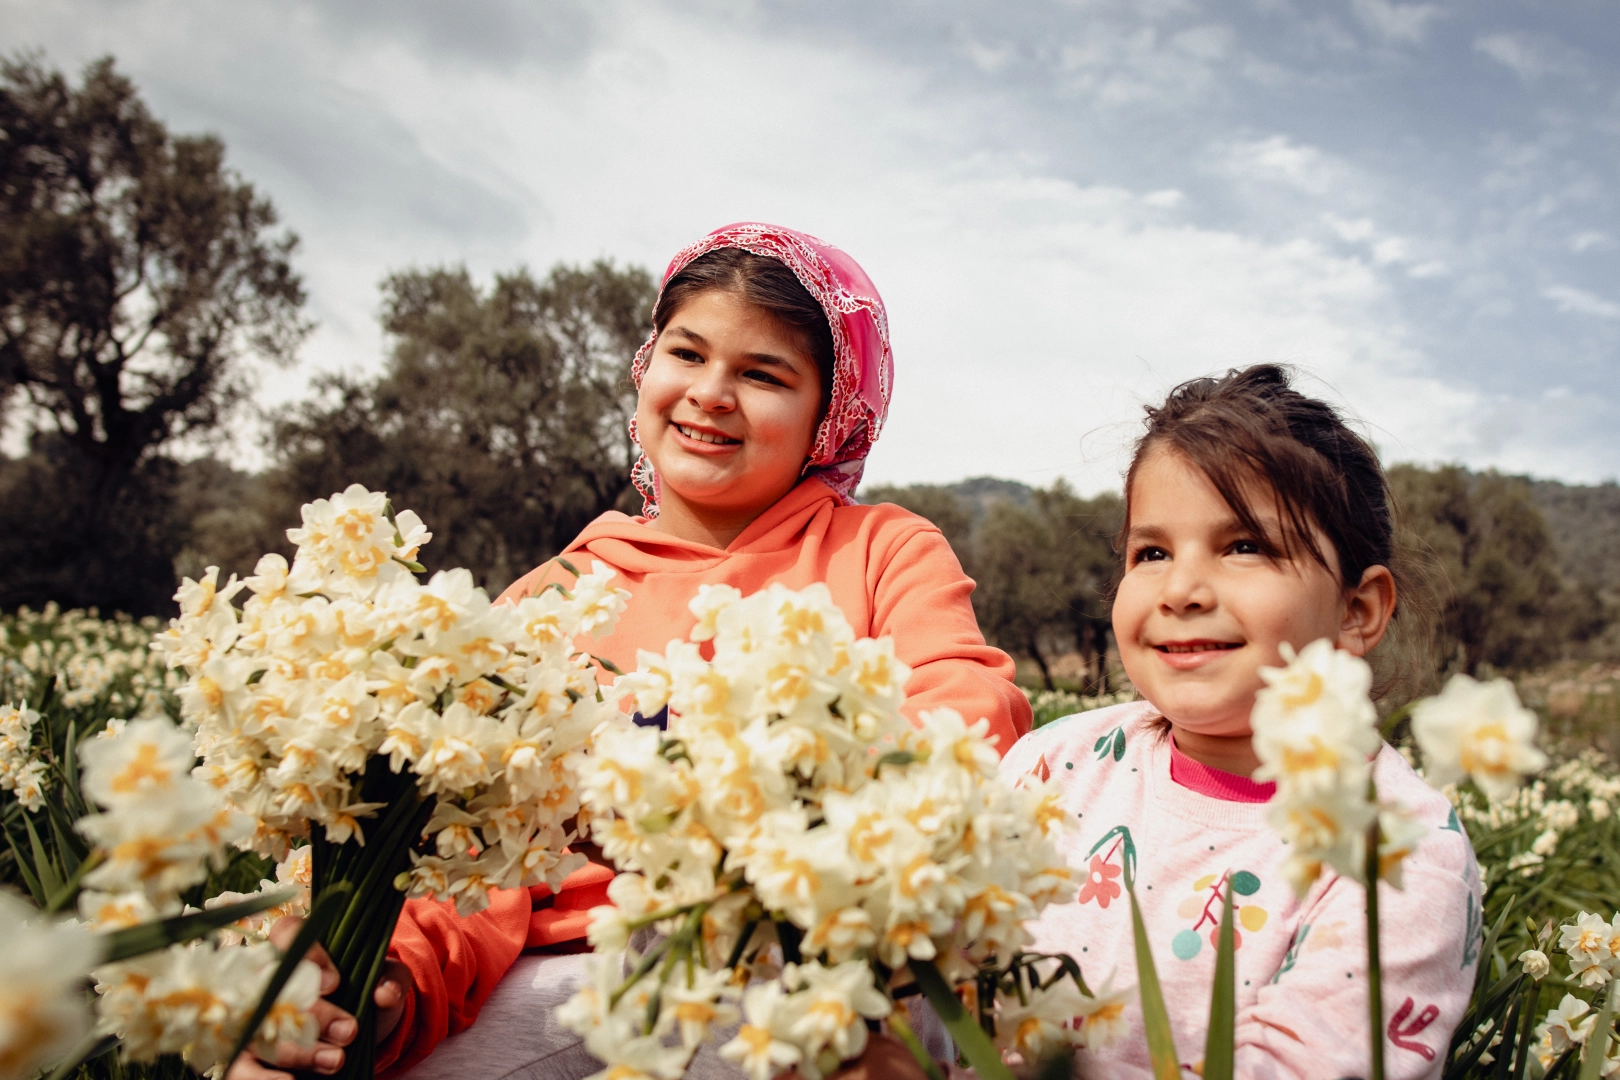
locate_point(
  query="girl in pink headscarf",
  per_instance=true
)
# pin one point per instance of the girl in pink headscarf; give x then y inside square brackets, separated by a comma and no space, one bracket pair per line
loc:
[761,390]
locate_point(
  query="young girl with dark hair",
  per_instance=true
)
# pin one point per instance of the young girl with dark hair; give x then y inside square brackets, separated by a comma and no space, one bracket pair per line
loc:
[761,390]
[1254,516]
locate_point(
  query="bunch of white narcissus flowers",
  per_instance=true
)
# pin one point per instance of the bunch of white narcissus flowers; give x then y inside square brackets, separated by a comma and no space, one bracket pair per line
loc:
[1593,945]
[1315,733]
[346,656]
[22,772]
[790,826]
[161,830]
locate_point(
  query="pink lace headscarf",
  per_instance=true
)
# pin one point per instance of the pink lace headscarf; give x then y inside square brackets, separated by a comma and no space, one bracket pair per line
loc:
[863,365]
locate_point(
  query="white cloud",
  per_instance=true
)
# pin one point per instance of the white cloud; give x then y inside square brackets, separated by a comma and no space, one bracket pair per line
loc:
[1513,51]
[1588,240]
[1279,159]
[1580,302]
[1405,23]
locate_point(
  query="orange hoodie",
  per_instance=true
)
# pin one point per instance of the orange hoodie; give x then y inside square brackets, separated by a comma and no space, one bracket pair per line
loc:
[891,572]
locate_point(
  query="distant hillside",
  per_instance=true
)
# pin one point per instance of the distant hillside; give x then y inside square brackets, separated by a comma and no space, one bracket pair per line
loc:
[1584,522]
[979,492]
[1585,525]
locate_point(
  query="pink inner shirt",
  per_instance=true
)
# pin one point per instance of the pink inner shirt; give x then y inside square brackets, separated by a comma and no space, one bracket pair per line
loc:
[1228,787]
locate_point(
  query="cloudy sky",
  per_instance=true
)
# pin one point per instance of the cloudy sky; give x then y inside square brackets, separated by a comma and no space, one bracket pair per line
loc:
[1069,205]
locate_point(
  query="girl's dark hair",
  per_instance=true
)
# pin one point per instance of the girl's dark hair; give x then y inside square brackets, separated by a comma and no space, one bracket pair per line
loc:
[767,284]
[1249,431]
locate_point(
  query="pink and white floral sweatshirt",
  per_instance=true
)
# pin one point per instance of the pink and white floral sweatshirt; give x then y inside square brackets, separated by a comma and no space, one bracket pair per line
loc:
[1301,964]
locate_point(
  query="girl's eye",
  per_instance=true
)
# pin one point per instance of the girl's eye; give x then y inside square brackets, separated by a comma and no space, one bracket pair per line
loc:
[1247,547]
[686,354]
[764,377]
[1150,554]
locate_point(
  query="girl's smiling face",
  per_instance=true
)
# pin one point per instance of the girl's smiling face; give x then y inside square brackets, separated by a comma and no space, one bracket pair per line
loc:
[1204,604]
[727,414]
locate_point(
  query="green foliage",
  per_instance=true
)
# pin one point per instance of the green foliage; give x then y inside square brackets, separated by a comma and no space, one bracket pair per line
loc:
[1504,603]
[502,416]
[138,277]
[1043,562]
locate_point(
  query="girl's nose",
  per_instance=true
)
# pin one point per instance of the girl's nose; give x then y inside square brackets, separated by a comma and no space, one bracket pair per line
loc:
[1187,588]
[711,389]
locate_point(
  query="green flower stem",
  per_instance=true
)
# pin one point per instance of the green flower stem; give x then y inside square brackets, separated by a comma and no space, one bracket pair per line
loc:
[680,938]
[1375,973]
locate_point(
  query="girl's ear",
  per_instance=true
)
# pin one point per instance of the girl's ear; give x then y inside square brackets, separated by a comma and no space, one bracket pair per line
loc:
[1368,607]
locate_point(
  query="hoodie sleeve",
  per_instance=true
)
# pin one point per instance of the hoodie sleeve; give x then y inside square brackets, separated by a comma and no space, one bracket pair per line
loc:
[454,963]
[922,599]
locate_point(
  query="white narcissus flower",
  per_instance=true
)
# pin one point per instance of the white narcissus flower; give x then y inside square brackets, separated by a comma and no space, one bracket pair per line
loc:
[146,759]
[163,827]
[707,606]
[691,1005]
[1102,1015]
[597,604]
[1314,726]
[1536,964]
[1589,942]
[1567,1024]
[758,1049]
[1044,1027]
[1478,730]
[829,1010]
[42,1011]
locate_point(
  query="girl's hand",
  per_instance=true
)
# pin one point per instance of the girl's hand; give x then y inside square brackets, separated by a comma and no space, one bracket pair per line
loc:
[338,1028]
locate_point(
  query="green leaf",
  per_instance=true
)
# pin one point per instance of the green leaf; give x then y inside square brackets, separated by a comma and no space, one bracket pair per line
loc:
[49,880]
[970,1037]
[1155,1018]
[69,892]
[70,851]
[566,565]
[1597,1043]
[70,760]
[150,937]
[35,889]
[1527,1021]
[1220,1044]
[1119,744]
[606,663]
[333,898]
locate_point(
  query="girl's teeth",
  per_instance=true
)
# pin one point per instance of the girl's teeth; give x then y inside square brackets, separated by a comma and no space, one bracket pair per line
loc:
[701,436]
